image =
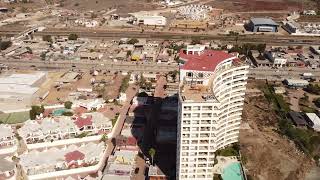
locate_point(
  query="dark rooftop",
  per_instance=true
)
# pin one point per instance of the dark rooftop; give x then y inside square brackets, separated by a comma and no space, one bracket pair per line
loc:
[297,119]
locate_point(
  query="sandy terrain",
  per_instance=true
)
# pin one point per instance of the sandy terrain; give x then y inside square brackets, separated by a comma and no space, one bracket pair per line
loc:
[267,154]
[260,5]
[122,6]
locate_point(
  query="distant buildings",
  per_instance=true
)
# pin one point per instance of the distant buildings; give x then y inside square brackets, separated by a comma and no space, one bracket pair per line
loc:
[314,121]
[8,142]
[20,87]
[211,97]
[121,165]
[296,83]
[53,129]
[7,169]
[60,162]
[262,25]
[149,19]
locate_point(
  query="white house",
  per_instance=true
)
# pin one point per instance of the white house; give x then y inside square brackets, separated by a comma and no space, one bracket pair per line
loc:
[91,104]
[276,58]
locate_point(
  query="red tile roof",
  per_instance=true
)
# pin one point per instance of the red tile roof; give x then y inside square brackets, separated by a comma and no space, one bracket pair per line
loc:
[74,156]
[207,61]
[81,122]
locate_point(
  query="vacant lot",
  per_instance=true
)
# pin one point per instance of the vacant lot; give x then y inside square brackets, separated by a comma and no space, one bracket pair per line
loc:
[13,118]
[267,154]
[261,5]
[122,6]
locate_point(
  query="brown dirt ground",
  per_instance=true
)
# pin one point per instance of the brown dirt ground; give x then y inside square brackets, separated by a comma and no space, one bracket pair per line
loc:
[259,5]
[267,154]
[122,6]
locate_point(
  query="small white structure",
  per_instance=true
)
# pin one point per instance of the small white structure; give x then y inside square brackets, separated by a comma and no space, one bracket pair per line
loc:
[150,20]
[91,104]
[315,121]
[195,12]
[279,90]
[276,58]
[296,82]
[122,98]
[195,49]
[140,101]
[87,23]
[309,12]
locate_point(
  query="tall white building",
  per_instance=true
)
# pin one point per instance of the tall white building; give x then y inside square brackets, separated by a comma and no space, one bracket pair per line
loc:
[212,89]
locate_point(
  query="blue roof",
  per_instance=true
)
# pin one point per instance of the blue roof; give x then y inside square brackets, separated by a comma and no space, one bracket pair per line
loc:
[263,21]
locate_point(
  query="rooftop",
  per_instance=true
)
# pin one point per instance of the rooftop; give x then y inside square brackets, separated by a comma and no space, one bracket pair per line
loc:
[196,93]
[22,79]
[263,21]
[315,120]
[6,165]
[36,164]
[206,61]
[5,131]
[298,119]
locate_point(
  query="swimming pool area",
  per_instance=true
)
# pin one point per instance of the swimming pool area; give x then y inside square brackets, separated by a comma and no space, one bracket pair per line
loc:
[58,112]
[232,172]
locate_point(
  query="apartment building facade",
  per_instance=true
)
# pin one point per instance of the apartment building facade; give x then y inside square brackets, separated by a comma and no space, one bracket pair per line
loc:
[211,98]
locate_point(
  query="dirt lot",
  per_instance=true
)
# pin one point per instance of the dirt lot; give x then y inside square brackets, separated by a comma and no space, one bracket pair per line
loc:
[122,6]
[268,155]
[259,5]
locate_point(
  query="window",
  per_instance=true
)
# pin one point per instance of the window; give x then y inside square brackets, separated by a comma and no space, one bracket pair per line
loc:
[200,75]
[189,74]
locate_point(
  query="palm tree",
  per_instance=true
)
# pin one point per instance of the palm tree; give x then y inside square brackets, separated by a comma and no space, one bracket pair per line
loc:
[152,152]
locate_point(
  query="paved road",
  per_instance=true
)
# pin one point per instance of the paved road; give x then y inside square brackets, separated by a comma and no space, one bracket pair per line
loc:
[85,65]
[281,73]
[145,67]
[118,33]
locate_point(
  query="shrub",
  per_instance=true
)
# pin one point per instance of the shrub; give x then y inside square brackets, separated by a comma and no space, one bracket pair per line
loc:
[68,104]
[35,110]
[5,44]
[47,38]
[133,41]
[73,37]
[67,113]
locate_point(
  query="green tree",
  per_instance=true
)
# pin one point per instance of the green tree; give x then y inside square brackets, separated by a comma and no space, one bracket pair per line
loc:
[261,48]
[129,53]
[317,102]
[68,104]
[36,110]
[5,44]
[47,38]
[133,41]
[195,41]
[73,37]
[152,153]
[67,113]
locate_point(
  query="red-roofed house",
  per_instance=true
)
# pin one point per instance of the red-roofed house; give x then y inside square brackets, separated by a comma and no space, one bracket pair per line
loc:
[198,66]
[74,158]
[84,123]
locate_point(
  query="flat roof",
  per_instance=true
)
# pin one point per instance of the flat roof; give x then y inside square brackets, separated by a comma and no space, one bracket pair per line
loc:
[22,79]
[5,131]
[263,21]
[6,165]
[315,120]
[17,89]
[196,93]
[297,118]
